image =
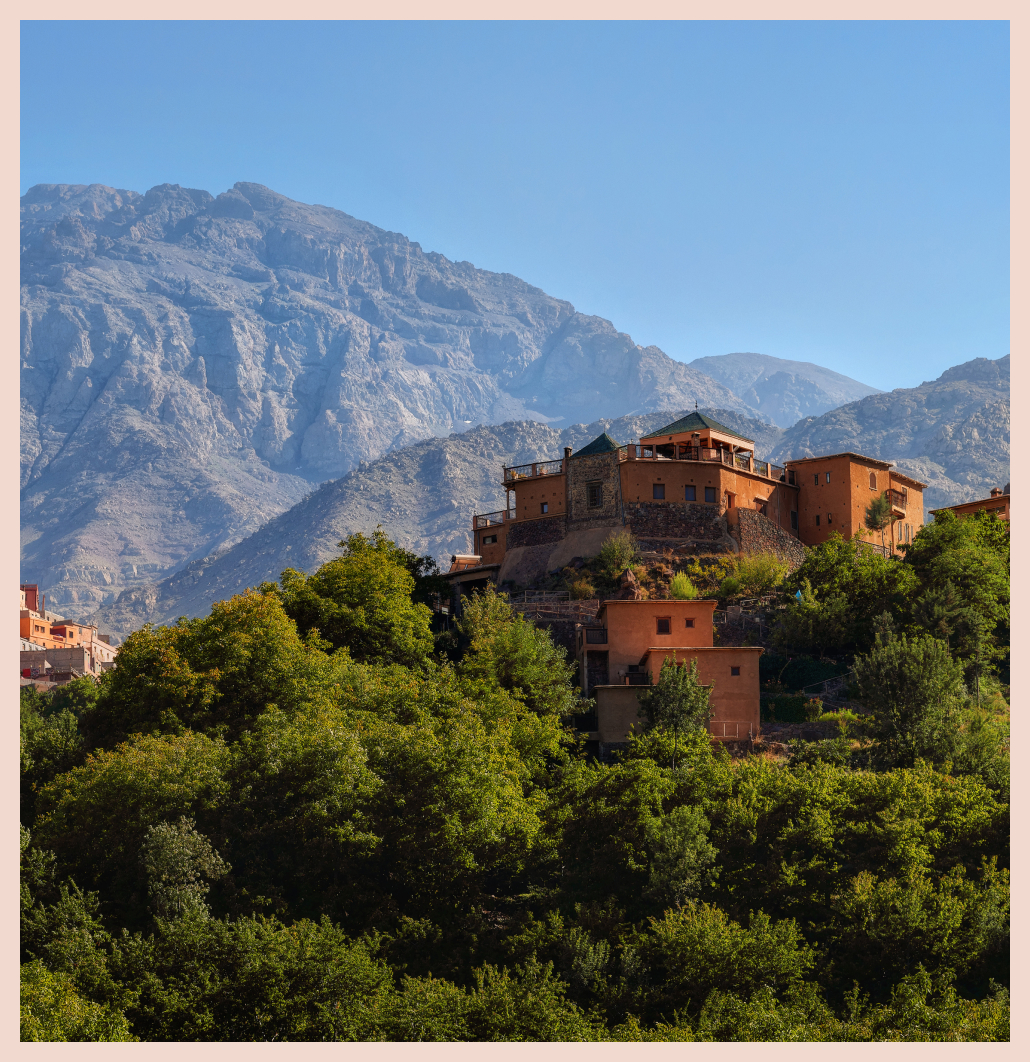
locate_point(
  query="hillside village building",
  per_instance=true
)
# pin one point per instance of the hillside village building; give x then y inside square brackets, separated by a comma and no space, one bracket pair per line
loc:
[55,650]
[622,652]
[694,486]
[997,503]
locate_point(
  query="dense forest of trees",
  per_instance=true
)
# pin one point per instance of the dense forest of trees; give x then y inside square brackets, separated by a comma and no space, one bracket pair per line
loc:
[305,818]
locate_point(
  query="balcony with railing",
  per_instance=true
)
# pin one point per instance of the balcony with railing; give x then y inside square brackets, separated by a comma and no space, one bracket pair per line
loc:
[492,519]
[531,471]
[746,462]
[898,498]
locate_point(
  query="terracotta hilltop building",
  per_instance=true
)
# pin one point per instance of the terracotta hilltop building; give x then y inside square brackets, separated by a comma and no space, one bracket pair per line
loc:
[998,503]
[692,487]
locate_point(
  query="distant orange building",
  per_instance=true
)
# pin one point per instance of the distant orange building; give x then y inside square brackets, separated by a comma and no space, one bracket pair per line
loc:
[836,490]
[998,503]
[625,648]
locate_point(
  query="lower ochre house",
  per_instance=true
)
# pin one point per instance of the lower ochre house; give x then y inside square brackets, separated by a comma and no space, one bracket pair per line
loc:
[622,652]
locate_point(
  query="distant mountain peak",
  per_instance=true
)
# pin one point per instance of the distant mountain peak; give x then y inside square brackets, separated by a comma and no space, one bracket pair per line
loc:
[785,391]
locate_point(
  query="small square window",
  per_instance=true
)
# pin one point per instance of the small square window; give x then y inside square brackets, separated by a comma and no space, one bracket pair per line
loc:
[658,492]
[734,670]
[543,507]
[690,493]
[688,623]
[489,540]
[664,625]
[710,494]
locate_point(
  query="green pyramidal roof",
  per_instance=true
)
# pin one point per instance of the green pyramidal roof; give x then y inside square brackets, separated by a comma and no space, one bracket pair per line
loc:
[603,444]
[692,422]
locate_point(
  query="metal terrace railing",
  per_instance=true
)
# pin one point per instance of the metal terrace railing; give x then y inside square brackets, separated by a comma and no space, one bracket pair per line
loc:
[537,468]
[492,519]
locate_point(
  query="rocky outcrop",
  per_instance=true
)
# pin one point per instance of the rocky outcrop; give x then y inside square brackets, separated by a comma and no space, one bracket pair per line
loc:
[193,365]
[951,433]
[785,391]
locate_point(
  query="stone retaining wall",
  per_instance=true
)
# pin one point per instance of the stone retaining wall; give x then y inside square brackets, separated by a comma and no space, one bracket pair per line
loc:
[756,533]
[536,532]
[682,520]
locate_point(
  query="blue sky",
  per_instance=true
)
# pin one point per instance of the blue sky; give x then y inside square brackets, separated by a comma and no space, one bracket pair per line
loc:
[835,192]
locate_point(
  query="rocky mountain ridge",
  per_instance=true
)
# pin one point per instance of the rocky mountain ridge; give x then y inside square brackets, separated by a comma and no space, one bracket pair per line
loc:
[193,364]
[784,390]
[951,433]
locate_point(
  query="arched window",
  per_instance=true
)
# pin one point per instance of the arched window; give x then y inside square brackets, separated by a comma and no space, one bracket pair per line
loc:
[872,480]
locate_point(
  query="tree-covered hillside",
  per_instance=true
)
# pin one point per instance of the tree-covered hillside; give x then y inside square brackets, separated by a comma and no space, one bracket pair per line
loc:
[308,817]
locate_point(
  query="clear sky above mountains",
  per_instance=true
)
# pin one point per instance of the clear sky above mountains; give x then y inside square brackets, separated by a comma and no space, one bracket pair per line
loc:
[831,192]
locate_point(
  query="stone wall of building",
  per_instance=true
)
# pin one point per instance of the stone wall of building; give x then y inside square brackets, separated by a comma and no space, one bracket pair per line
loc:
[756,533]
[536,532]
[679,520]
[597,468]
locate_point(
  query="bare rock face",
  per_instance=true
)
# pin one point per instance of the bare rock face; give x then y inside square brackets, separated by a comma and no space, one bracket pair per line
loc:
[423,495]
[192,365]
[784,390]
[951,433]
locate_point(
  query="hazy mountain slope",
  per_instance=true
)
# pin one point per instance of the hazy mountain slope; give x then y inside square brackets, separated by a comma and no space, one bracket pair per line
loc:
[424,495]
[952,433]
[191,364]
[784,390]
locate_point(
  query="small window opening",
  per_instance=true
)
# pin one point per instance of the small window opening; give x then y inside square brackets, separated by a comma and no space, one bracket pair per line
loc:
[658,491]
[688,623]
[664,624]
[872,481]
[793,520]
[817,521]
[710,494]
[827,477]
[690,493]
[829,518]
[817,479]
[543,507]
[734,670]
[594,495]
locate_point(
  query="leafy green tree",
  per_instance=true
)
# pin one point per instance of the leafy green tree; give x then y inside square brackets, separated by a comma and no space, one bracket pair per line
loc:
[696,949]
[176,860]
[878,516]
[507,651]
[95,817]
[856,579]
[362,601]
[215,674]
[677,702]
[914,689]
[617,553]
[52,1009]
[758,573]
[962,567]
[50,744]
[814,625]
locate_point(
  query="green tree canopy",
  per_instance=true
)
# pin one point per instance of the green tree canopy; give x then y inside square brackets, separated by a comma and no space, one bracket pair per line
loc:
[362,601]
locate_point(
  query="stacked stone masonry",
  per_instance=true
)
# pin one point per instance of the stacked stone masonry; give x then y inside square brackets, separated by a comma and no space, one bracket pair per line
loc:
[757,534]
[536,532]
[682,520]
[596,468]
